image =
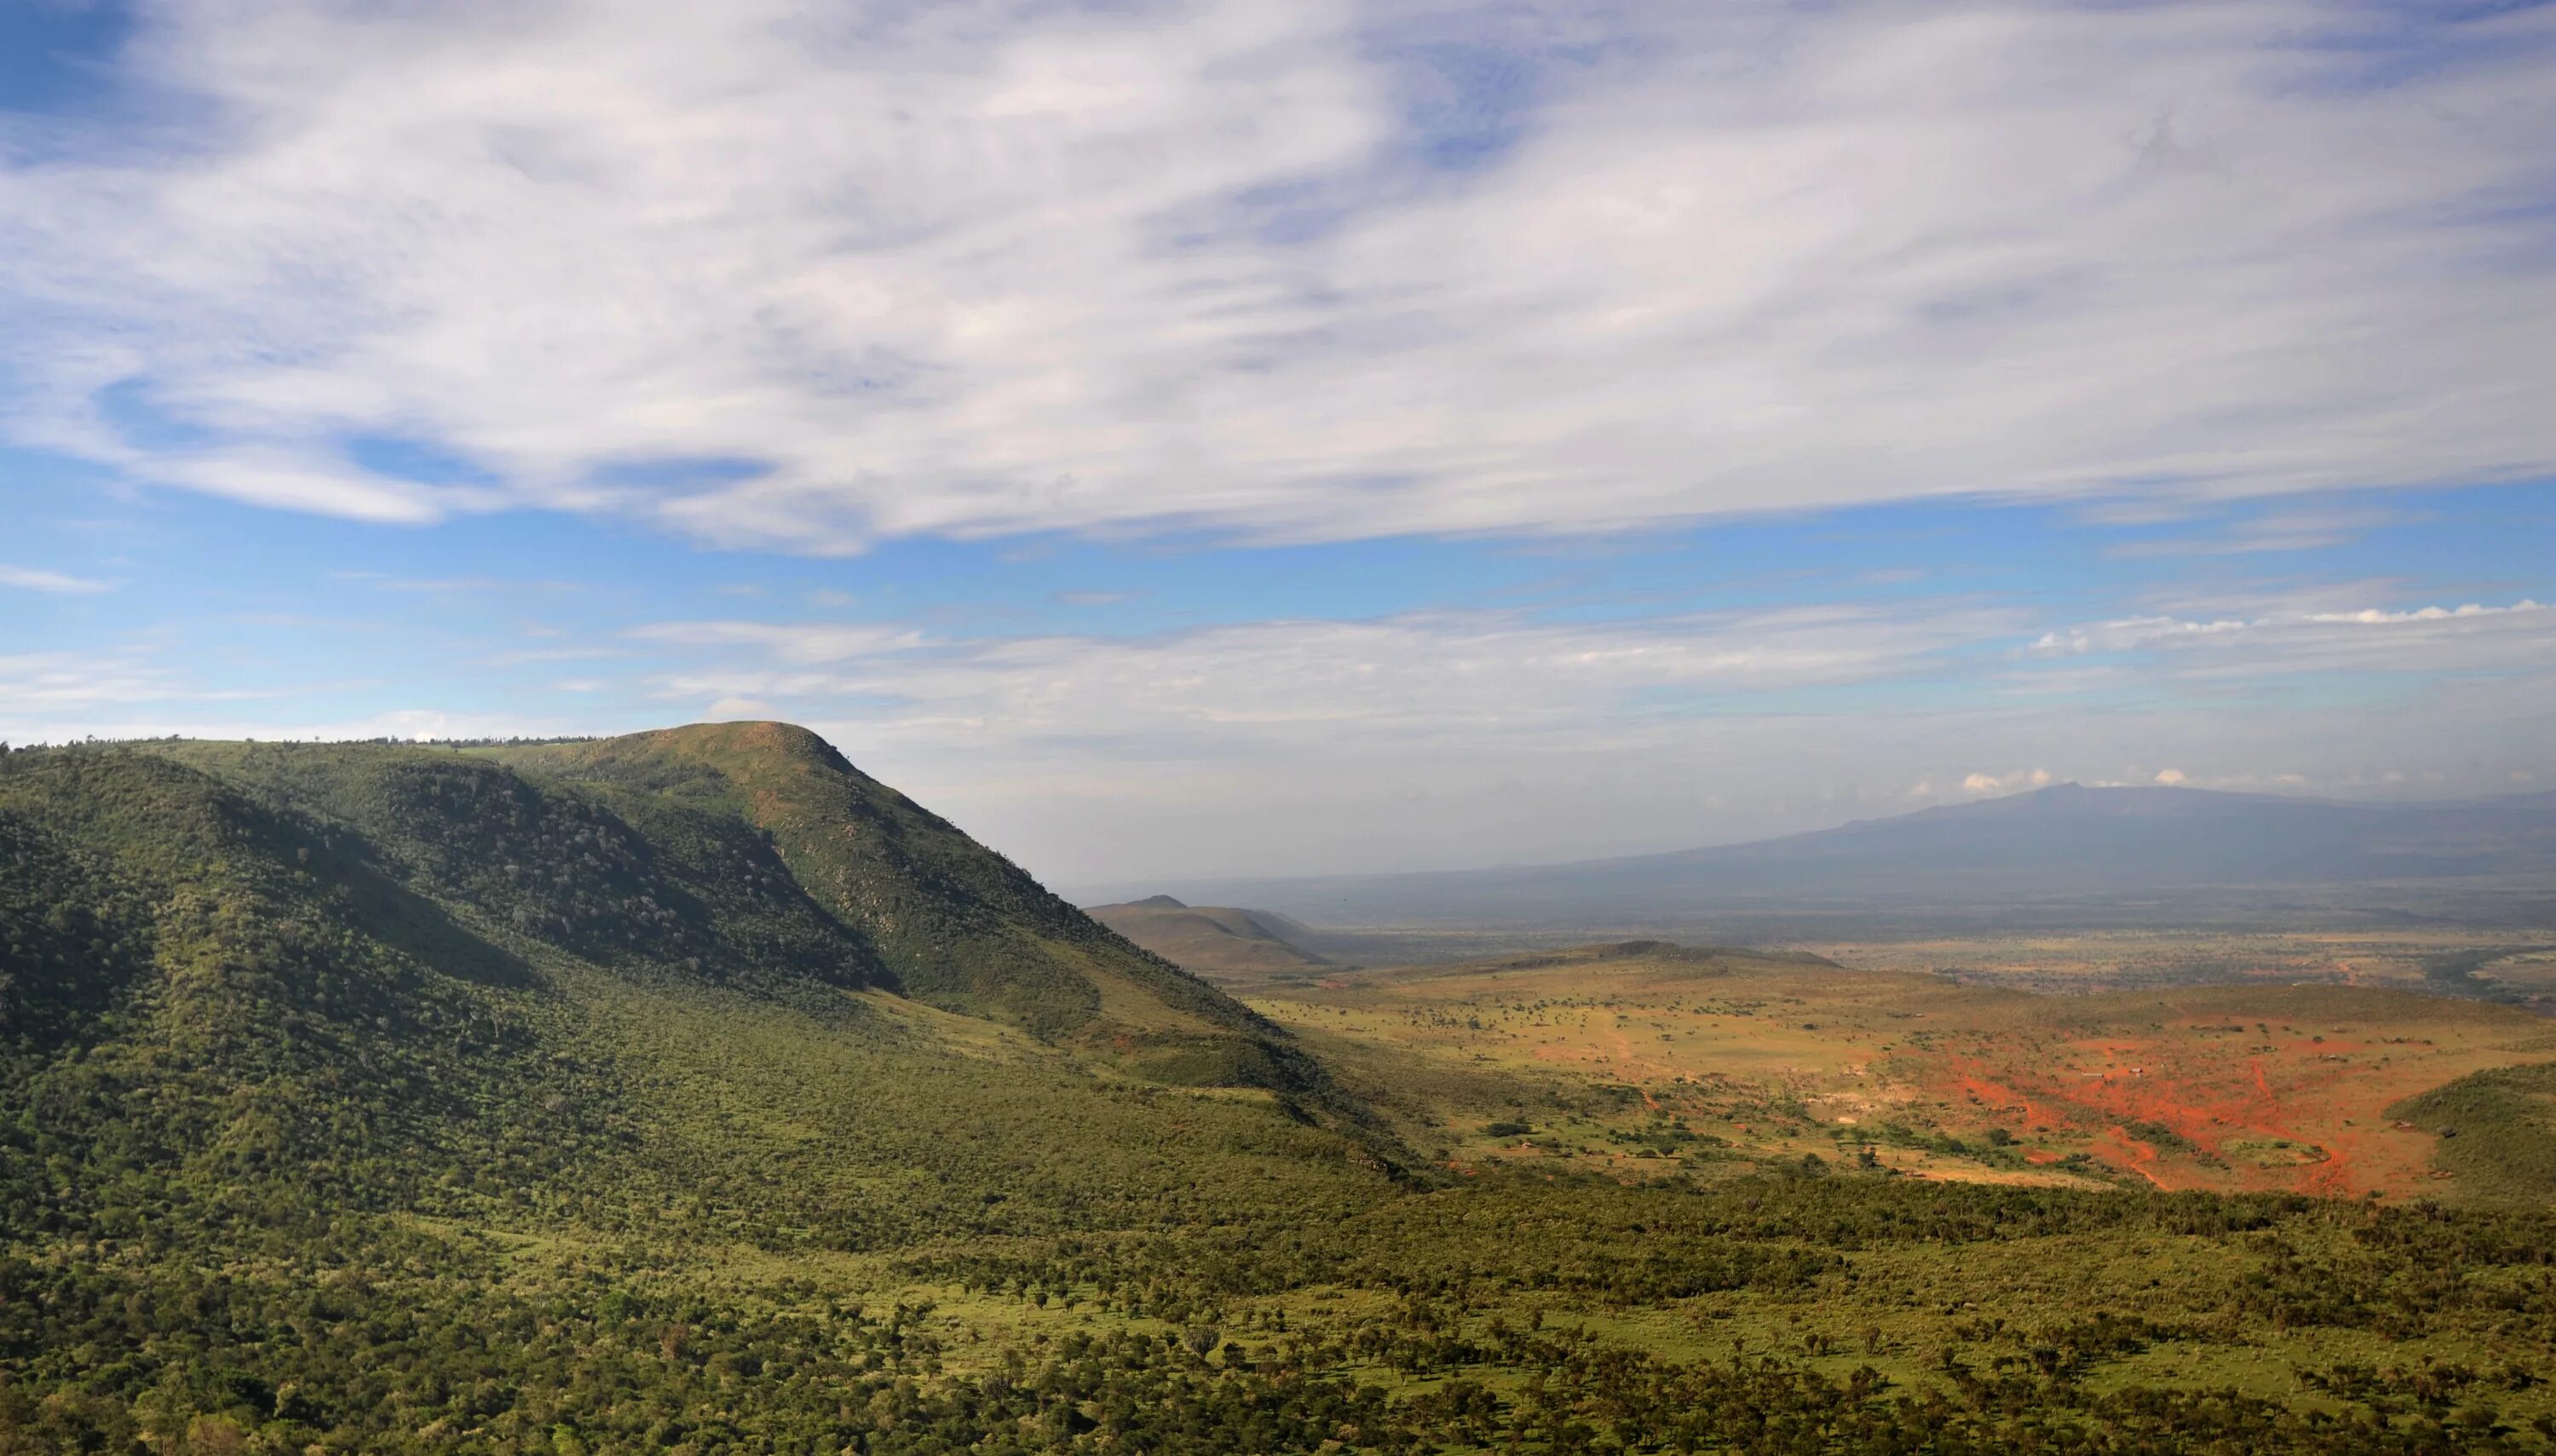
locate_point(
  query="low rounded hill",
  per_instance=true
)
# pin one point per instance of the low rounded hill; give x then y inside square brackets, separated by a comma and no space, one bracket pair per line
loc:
[1222,942]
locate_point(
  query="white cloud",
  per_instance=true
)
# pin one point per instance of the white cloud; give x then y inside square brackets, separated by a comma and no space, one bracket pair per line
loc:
[34,683]
[2521,636]
[31,578]
[970,270]
[2126,634]
[2006,783]
[552,654]
[49,695]
[459,586]
[1305,747]
[2170,777]
[2374,617]
[1461,674]
[2281,531]
[796,644]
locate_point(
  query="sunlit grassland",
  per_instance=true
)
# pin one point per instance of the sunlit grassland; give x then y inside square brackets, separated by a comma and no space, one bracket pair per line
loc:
[2511,961]
[1648,1060]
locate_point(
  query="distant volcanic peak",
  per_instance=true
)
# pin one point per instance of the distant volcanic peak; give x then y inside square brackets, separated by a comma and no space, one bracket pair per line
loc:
[2079,854]
[1159,902]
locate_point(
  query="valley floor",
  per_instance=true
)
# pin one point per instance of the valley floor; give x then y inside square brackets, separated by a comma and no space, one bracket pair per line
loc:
[1648,1059]
[1677,1251]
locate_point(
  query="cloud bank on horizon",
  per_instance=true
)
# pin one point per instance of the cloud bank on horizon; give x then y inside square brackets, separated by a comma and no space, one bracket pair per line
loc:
[2206,342]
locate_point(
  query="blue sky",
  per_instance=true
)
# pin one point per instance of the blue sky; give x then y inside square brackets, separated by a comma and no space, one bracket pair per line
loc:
[1248,440]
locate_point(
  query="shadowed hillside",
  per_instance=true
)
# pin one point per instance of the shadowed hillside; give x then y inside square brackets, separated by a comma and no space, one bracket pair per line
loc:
[956,924]
[746,850]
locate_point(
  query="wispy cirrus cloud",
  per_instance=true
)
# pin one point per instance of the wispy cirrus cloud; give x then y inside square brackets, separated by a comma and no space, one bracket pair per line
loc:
[2277,531]
[2372,616]
[805,278]
[34,684]
[2472,636]
[808,644]
[61,583]
[450,586]
[1466,674]
[522,656]
[40,688]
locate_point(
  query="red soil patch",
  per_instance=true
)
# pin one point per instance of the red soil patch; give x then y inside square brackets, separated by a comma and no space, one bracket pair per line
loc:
[2117,1147]
[2302,1115]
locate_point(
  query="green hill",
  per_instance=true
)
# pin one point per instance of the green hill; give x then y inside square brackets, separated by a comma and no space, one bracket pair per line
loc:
[728,850]
[301,1028]
[422,979]
[954,923]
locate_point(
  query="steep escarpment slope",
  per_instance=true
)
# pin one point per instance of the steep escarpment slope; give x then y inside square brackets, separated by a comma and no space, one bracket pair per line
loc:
[954,923]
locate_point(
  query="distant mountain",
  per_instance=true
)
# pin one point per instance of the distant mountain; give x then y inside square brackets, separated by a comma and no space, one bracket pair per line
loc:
[1219,942]
[2066,850]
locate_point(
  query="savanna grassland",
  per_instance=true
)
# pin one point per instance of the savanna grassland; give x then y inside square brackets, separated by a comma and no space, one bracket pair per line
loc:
[2260,1087]
[2513,966]
[693,1092]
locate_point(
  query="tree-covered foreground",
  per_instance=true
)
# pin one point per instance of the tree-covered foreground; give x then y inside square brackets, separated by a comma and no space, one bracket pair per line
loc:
[684,1094]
